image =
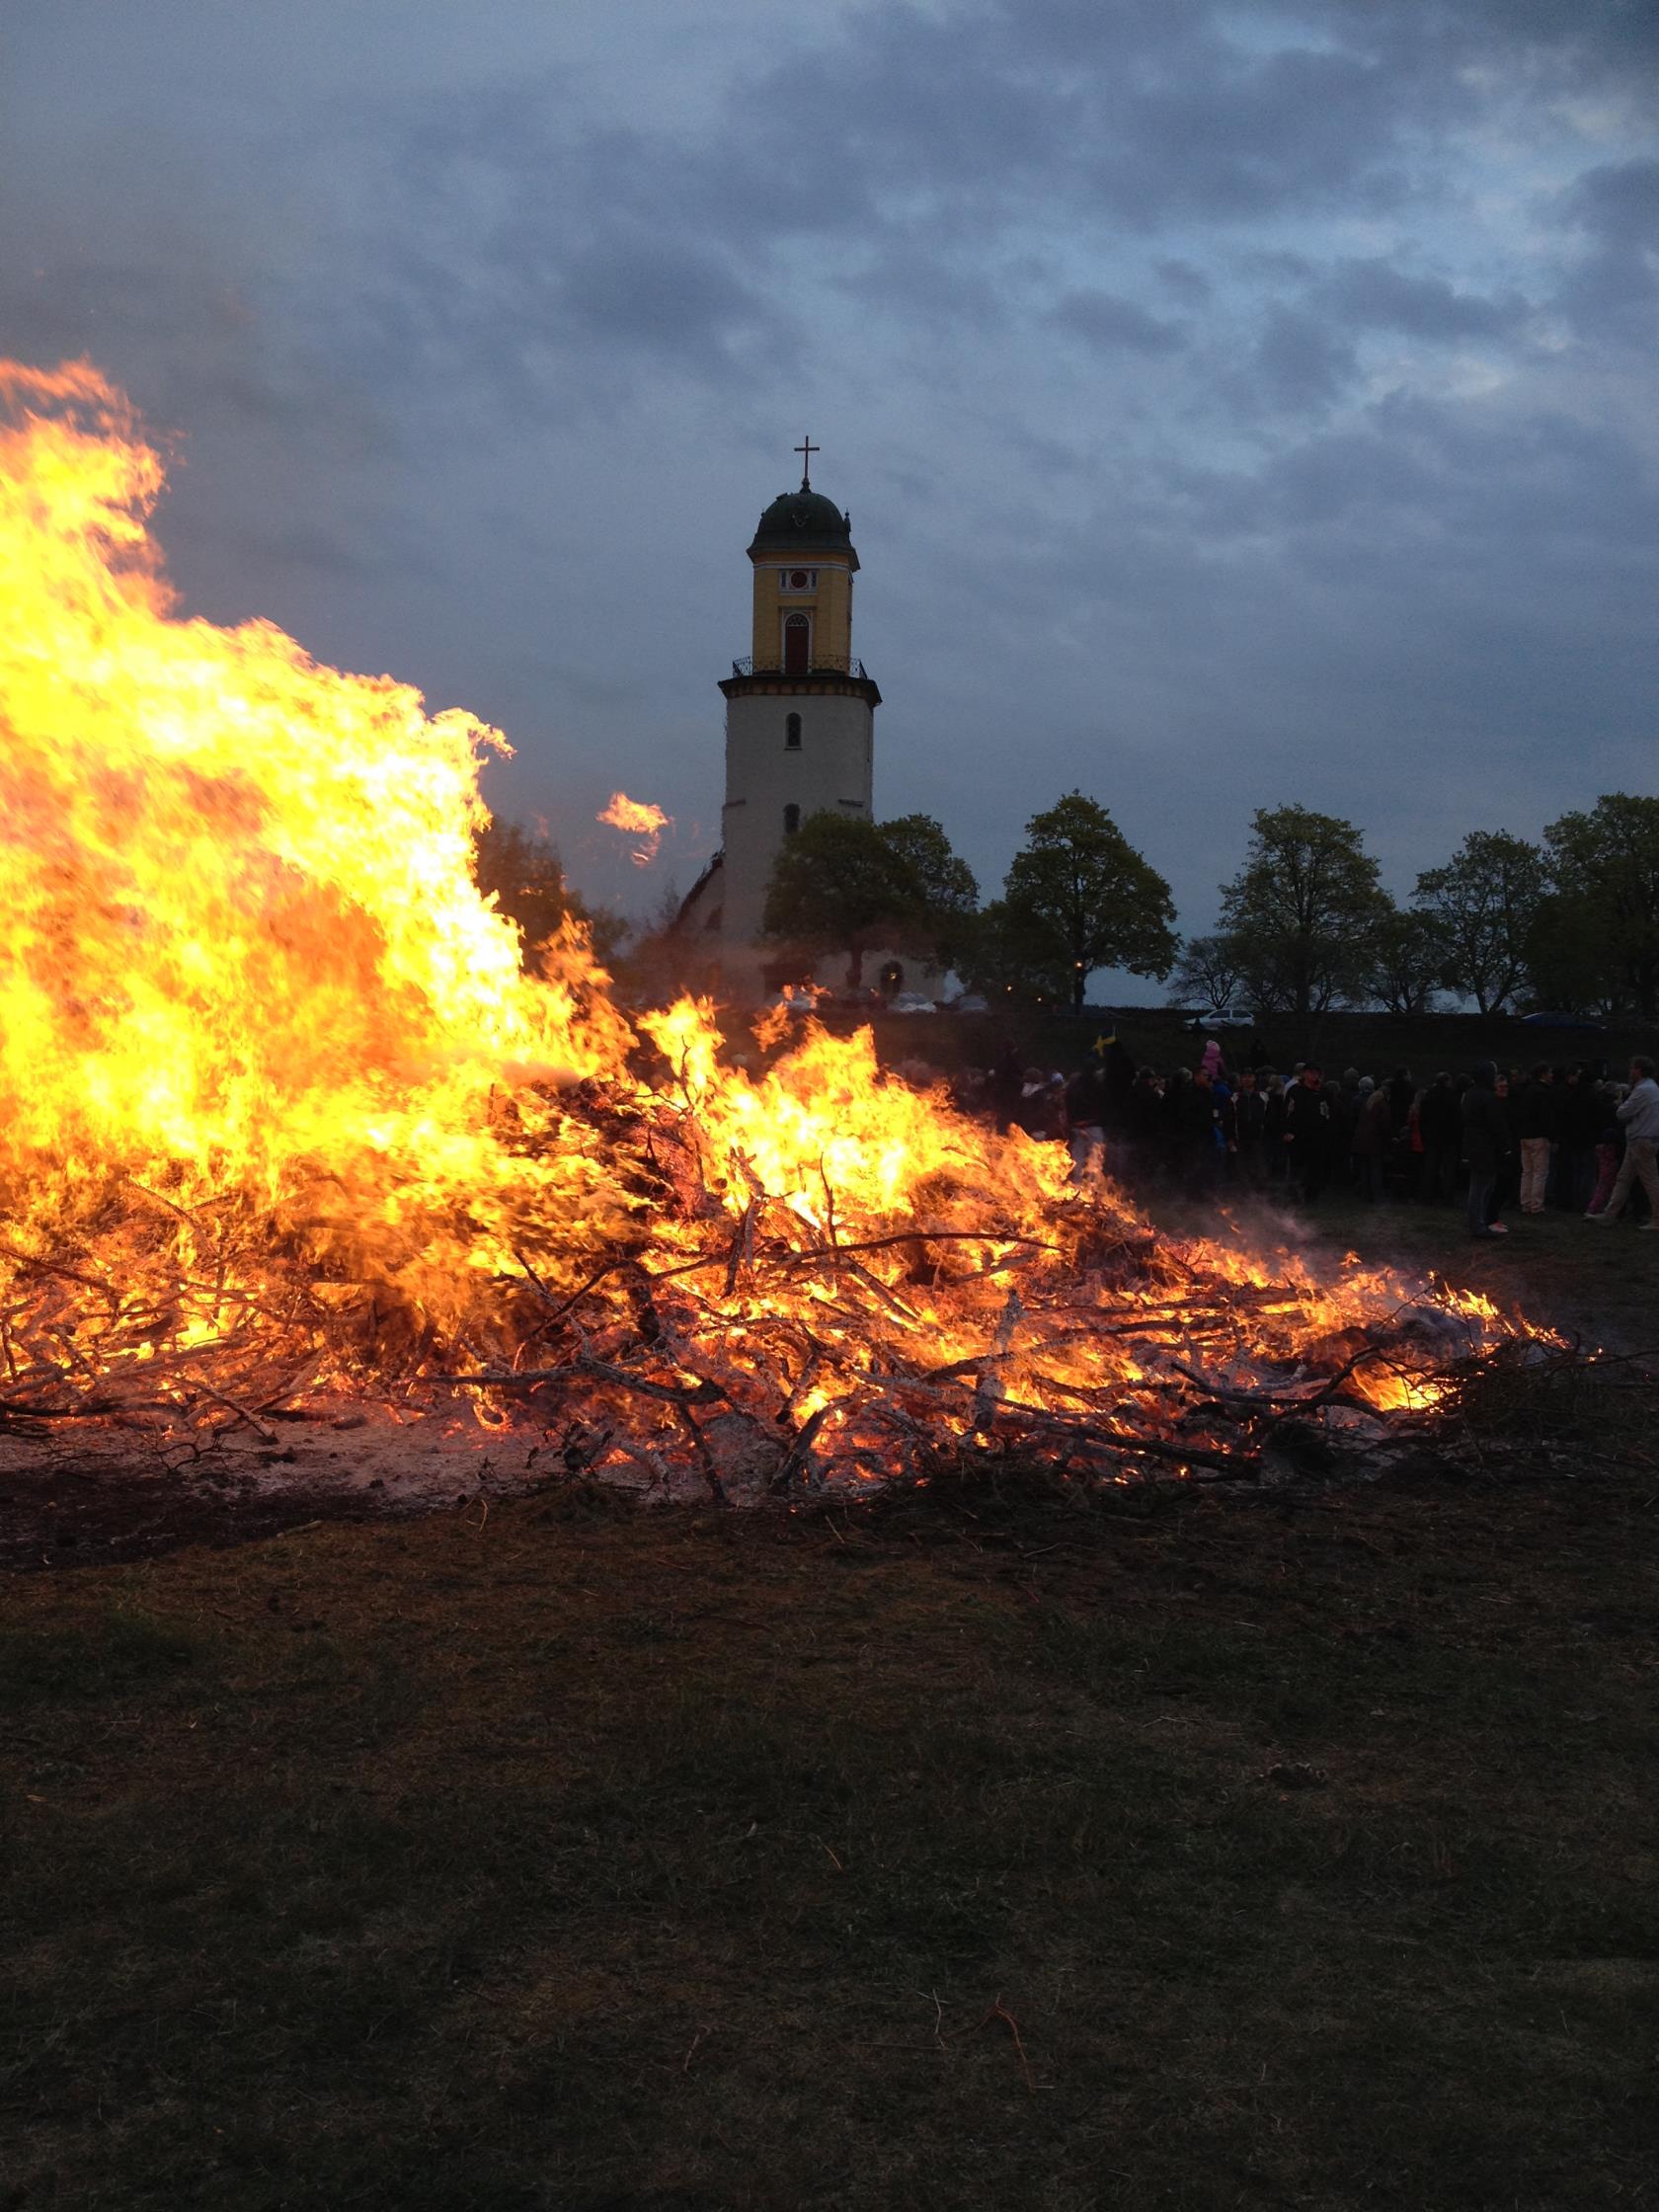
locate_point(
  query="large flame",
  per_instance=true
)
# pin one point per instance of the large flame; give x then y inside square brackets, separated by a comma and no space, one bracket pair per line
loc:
[242,946]
[277,1089]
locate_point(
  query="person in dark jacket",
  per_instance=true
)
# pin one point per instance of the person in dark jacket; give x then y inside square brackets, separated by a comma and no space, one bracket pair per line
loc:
[1372,1145]
[1342,1103]
[1609,1144]
[1087,1110]
[1006,1084]
[1143,1118]
[1274,1153]
[1441,1127]
[1177,1126]
[1042,1106]
[1487,1147]
[1120,1081]
[1225,1116]
[1197,1131]
[1401,1091]
[1579,1119]
[1308,1134]
[1249,1121]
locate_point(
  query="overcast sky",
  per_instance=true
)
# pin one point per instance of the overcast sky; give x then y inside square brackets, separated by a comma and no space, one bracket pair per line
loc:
[1234,404]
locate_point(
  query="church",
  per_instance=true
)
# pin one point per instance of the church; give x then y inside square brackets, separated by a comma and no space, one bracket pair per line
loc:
[800,724]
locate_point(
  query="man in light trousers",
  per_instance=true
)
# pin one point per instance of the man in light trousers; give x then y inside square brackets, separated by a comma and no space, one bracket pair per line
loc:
[1639,1112]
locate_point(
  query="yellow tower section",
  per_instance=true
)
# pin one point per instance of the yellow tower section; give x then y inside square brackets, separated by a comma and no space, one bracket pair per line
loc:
[804,567]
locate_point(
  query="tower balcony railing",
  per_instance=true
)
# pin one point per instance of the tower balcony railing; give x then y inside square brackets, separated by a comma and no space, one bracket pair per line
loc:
[823,663]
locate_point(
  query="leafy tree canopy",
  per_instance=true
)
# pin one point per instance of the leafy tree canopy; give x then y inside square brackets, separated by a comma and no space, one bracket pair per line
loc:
[1303,911]
[942,887]
[842,883]
[1079,897]
[1000,954]
[1484,903]
[1604,868]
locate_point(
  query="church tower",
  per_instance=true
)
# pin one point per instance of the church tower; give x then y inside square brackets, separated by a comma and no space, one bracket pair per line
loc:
[800,711]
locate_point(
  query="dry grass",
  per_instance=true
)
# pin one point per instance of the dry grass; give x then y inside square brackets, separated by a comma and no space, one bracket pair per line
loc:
[1196,1852]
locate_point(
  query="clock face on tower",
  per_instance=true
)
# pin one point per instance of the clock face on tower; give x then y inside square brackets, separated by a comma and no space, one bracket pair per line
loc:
[797,580]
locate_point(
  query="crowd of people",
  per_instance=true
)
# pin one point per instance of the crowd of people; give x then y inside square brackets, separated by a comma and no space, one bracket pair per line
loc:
[1562,1137]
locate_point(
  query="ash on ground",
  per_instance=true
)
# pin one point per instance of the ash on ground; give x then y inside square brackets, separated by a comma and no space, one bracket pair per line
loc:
[87,1493]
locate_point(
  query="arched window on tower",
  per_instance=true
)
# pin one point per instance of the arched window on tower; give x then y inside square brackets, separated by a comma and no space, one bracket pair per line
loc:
[792,733]
[791,821]
[797,645]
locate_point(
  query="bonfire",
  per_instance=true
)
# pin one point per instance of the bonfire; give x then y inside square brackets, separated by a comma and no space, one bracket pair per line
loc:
[290,1123]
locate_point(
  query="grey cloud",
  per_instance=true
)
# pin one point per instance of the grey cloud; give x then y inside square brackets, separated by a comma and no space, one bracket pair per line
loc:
[636,288]
[1298,362]
[1186,282]
[1619,203]
[904,158]
[1488,496]
[1108,319]
[1369,472]
[920,277]
[554,264]
[1251,135]
[1613,295]
[1374,295]
[1569,45]
[1278,266]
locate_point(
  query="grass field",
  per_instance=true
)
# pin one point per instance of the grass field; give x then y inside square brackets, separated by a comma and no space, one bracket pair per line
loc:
[1197,1851]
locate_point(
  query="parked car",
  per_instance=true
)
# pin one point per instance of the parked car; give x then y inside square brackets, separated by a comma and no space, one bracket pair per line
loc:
[912,1002]
[970,1003]
[1553,1020]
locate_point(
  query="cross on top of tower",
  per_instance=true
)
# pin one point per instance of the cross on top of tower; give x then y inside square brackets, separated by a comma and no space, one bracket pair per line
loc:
[806,450]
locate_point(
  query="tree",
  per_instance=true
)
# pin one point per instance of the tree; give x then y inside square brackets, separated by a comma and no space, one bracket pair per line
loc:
[1079,897]
[1604,869]
[520,869]
[1208,971]
[944,894]
[842,883]
[1408,960]
[1303,911]
[999,955]
[1568,963]
[1485,901]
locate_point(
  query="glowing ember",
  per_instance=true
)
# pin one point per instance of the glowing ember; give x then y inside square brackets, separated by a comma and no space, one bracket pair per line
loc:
[638,819]
[283,1113]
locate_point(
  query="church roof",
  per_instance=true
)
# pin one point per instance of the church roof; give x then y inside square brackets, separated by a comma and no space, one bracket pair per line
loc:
[796,519]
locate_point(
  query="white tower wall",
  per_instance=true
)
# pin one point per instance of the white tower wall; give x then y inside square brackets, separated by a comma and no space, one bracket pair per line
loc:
[829,772]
